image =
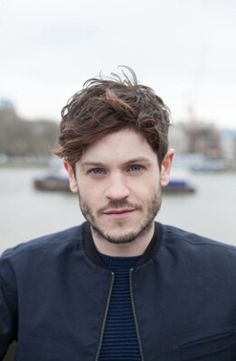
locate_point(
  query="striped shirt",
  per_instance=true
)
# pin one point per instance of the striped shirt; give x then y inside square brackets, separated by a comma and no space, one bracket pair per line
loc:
[120,341]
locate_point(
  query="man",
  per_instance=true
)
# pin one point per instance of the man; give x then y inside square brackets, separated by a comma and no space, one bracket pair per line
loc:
[119,287]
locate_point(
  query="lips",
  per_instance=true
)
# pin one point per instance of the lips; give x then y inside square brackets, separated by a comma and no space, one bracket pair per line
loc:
[118,211]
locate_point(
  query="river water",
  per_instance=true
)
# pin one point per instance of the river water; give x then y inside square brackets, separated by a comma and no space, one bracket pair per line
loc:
[26,213]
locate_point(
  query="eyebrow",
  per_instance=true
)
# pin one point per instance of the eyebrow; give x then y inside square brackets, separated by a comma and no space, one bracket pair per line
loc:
[91,164]
[138,160]
[100,164]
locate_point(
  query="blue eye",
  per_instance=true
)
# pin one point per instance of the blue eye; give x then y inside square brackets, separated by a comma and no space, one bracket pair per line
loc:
[136,168]
[96,171]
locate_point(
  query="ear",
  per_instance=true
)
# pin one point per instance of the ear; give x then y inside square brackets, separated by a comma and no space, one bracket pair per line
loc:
[72,178]
[166,167]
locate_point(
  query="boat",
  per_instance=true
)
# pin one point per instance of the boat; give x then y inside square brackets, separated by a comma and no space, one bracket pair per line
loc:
[179,186]
[55,180]
[179,183]
[52,183]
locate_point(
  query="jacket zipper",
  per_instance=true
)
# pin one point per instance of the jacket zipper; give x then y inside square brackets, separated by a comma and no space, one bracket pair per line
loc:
[134,313]
[105,316]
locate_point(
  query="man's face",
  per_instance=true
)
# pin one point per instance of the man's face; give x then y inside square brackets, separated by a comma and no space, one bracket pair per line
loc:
[119,181]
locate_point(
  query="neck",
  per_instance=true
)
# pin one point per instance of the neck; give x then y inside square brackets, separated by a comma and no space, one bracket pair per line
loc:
[131,249]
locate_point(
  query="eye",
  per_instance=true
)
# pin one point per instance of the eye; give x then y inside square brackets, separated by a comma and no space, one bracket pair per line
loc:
[96,172]
[136,168]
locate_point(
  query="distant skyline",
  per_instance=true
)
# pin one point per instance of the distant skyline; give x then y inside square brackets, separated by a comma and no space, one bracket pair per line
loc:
[184,49]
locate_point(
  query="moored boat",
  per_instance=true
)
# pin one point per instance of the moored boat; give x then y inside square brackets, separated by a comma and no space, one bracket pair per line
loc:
[179,183]
[52,183]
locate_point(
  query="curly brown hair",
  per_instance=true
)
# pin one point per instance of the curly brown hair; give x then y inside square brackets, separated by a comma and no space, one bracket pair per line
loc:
[107,105]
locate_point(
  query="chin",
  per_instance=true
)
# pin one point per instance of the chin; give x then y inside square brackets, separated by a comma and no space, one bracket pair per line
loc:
[121,236]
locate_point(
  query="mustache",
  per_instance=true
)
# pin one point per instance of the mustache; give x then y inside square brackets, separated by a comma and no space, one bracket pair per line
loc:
[119,204]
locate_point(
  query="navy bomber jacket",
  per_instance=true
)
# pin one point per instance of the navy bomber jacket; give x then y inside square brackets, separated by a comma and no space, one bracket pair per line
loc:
[54,295]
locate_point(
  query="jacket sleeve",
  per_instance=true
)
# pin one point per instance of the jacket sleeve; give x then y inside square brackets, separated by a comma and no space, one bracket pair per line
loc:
[8,305]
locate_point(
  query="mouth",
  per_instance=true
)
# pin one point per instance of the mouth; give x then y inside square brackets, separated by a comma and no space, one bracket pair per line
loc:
[116,212]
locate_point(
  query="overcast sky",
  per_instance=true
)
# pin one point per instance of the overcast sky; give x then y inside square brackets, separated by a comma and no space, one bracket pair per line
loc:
[184,49]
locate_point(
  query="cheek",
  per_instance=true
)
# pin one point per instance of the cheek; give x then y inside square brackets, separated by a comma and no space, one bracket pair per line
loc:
[147,188]
[91,194]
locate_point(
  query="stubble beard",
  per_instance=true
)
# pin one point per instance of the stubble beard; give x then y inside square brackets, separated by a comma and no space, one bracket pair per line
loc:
[153,207]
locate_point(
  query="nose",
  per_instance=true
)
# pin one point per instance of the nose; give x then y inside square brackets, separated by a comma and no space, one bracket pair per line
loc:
[117,188]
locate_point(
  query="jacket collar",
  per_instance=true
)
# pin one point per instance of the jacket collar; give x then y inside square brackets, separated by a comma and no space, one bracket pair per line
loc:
[93,254]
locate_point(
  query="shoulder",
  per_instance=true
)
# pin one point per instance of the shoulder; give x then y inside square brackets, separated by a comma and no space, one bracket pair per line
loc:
[192,245]
[50,244]
[35,260]
[173,234]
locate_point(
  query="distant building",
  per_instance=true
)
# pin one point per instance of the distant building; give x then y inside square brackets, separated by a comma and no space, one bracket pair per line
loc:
[22,137]
[202,146]
[178,138]
[6,104]
[7,111]
[204,138]
[196,137]
[228,141]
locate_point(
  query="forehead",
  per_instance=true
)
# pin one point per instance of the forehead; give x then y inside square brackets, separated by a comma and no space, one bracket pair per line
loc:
[119,147]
